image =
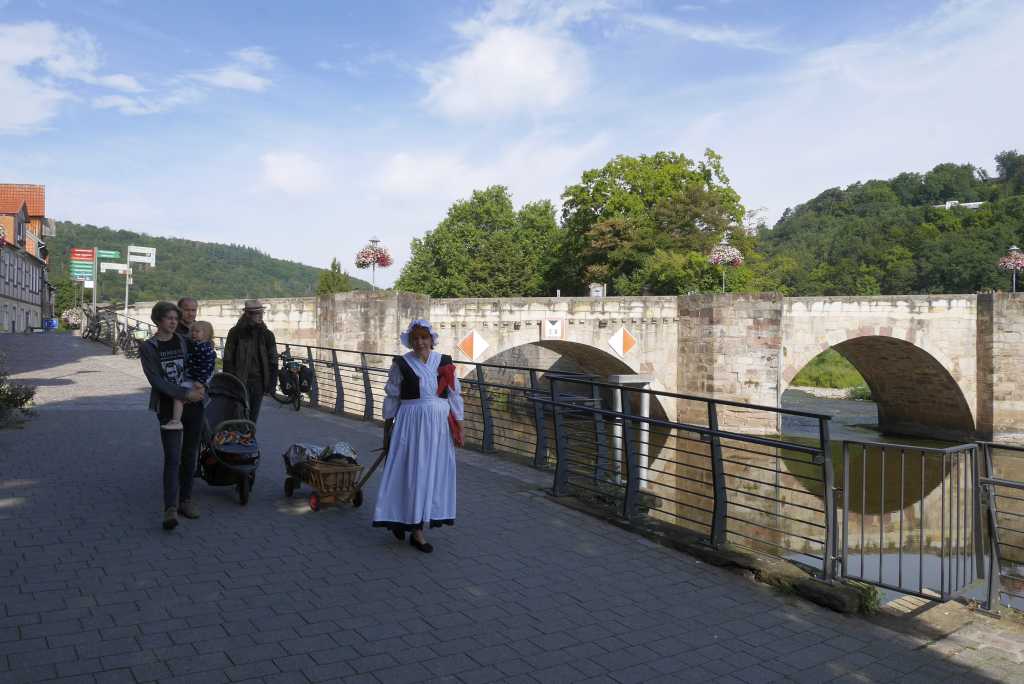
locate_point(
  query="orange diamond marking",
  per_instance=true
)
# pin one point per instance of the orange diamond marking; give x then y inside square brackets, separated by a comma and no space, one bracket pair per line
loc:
[466,345]
[628,342]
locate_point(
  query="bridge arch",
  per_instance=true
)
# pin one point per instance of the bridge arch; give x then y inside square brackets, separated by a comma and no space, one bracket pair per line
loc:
[913,387]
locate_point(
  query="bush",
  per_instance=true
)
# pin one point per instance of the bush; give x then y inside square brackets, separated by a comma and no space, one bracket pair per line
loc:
[14,398]
[860,393]
[829,369]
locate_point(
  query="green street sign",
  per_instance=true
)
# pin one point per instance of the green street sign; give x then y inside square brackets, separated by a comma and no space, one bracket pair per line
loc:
[78,270]
[108,254]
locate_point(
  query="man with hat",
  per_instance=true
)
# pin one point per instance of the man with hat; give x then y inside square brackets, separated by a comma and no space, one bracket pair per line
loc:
[250,354]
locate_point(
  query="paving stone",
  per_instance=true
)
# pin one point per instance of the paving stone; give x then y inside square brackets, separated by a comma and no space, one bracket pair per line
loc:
[521,589]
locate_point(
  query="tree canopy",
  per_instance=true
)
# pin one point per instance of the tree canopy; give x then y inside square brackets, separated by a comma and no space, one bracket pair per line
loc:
[484,248]
[647,225]
[333,280]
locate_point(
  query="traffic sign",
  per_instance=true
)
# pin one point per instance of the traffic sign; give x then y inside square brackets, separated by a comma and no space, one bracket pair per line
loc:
[79,254]
[80,270]
[108,254]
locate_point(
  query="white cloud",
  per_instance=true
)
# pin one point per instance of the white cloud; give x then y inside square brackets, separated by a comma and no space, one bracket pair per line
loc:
[936,91]
[241,73]
[64,57]
[702,33]
[294,173]
[508,71]
[144,105]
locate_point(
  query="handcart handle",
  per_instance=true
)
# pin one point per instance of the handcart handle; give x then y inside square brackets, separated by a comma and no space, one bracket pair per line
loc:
[372,469]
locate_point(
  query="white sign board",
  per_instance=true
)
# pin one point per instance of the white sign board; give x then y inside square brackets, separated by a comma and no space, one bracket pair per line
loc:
[117,268]
[554,328]
[142,255]
[88,284]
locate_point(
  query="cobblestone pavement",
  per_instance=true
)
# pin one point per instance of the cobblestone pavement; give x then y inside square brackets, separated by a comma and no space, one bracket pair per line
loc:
[520,590]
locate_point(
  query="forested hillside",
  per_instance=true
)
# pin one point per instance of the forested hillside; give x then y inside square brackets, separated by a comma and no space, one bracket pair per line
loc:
[888,237]
[202,269]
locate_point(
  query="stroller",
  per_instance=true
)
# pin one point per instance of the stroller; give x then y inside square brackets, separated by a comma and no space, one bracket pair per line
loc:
[229,453]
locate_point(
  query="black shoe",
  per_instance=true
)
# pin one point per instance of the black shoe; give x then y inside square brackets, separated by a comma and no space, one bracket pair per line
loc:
[399,533]
[425,547]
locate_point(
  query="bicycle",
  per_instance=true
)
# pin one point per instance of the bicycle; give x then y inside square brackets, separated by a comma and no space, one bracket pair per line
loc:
[128,339]
[294,379]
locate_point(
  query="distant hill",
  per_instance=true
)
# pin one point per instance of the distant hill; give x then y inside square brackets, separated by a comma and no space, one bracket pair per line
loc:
[206,270]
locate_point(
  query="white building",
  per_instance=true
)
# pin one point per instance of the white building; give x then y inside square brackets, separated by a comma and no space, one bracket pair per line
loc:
[24,291]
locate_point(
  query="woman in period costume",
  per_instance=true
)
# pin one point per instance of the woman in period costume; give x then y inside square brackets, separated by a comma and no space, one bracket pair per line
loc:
[423,423]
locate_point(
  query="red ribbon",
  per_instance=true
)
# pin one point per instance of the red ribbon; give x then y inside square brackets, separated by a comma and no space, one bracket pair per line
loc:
[446,381]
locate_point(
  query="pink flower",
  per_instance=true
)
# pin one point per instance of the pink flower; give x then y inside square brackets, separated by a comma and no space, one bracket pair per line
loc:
[373,255]
[1014,261]
[725,255]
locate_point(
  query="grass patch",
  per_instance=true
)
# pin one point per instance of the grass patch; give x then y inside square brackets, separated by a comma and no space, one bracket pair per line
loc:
[829,369]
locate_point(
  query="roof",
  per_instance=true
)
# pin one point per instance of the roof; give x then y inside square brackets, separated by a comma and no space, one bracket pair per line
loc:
[33,195]
[10,205]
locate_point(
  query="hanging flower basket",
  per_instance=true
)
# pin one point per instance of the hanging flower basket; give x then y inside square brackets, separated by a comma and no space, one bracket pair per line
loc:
[725,255]
[1014,261]
[373,255]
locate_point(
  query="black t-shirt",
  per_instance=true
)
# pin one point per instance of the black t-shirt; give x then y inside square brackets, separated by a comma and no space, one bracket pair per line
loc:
[172,365]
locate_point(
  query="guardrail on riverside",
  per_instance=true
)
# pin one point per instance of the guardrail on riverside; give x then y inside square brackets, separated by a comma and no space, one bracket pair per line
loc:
[1002,495]
[911,517]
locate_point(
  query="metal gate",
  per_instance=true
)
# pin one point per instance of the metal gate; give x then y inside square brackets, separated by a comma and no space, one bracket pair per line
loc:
[911,519]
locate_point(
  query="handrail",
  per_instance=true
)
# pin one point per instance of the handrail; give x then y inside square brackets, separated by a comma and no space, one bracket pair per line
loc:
[698,397]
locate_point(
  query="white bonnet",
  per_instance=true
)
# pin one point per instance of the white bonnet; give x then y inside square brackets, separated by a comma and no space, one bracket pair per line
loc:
[418,323]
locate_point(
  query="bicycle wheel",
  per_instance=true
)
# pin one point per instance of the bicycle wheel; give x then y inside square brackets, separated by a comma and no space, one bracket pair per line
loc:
[282,398]
[298,400]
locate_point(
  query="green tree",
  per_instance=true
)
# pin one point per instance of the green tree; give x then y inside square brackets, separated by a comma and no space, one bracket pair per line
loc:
[333,280]
[484,248]
[618,216]
[65,295]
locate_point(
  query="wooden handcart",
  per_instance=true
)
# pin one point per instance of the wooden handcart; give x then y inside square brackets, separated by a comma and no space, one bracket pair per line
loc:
[333,482]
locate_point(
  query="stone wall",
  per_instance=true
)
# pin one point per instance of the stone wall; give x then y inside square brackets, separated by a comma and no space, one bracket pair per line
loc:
[1004,341]
[729,347]
[292,319]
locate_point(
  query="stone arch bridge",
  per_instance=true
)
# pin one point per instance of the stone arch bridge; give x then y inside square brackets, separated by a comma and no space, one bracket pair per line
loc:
[942,366]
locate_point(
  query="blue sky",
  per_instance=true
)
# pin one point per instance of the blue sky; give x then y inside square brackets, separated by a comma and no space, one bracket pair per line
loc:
[304,128]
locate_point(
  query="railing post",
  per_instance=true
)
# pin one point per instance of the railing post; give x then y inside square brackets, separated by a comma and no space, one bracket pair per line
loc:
[367,390]
[976,524]
[339,387]
[314,391]
[487,439]
[560,486]
[540,452]
[601,459]
[830,500]
[721,508]
[632,498]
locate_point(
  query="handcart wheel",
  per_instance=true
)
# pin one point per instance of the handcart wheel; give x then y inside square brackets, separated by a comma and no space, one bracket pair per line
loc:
[357,499]
[289,486]
[243,490]
[314,502]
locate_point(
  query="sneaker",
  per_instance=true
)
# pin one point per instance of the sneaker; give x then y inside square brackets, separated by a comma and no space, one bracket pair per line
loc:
[188,509]
[172,425]
[170,518]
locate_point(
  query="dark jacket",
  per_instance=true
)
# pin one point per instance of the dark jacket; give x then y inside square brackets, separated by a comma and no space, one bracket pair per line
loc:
[149,355]
[184,330]
[251,350]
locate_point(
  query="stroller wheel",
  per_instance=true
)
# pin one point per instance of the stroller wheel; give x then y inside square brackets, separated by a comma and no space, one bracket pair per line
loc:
[357,499]
[314,502]
[289,486]
[243,490]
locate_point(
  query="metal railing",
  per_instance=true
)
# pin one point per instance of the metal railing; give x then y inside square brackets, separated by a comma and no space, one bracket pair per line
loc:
[701,470]
[911,517]
[1002,495]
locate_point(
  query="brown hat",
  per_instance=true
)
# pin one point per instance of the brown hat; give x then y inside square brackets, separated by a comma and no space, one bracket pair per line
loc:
[253,305]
